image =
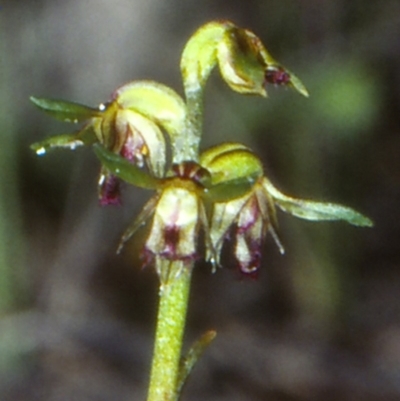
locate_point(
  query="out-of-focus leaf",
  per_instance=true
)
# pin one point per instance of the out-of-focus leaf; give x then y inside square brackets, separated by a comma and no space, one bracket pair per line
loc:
[64,110]
[318,211]
[125,170]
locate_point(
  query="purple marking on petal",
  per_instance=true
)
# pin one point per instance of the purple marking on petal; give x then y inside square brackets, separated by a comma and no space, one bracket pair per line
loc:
[248,216]
[252,267]
[191,170]
[171,238]
[133,148]
[110,193]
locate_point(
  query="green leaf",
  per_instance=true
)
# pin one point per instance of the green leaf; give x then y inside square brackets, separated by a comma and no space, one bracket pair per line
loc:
[125,170]
[193,355]
[318,211]
[71,141]
[64,110]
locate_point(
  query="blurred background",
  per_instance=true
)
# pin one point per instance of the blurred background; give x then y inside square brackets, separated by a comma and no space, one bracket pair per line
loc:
[321,322]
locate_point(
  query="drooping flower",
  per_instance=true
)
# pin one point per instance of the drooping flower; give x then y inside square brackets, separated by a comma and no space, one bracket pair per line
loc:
[176,213]
[244,62]
[250,216]
[129,125]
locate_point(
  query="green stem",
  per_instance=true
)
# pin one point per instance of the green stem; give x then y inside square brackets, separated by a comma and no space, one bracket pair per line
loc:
[166,379]
[194,123]
[174,294]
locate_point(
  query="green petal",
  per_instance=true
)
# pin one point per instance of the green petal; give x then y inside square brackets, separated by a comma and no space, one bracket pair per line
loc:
[125,170]
[71,141]
[64,110]
[318,211]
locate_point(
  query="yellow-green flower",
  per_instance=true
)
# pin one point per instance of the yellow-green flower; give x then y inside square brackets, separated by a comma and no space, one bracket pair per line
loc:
[244,62]
[247,218]
[129,125]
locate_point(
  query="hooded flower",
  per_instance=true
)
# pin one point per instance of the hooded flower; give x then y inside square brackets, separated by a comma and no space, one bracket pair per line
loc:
[247,218]
[176,212]
[178,216]
[133,136]
[129,125]
[244,63]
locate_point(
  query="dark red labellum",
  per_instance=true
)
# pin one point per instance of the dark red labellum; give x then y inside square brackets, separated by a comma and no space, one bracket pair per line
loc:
[277,76]
[110,192]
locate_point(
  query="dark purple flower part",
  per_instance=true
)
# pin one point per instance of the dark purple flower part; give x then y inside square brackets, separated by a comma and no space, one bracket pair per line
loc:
[277,76]
[109,190]
[245,221]
[176,221]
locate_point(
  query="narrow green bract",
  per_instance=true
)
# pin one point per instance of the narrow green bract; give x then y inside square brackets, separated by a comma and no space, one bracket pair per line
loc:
[64,110]
[125,170]
[317,211]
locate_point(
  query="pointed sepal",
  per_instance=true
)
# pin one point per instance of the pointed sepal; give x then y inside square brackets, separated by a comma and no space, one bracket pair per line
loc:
[317,211]
[125,170]
[64,110]
[70,141]
[195,352]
